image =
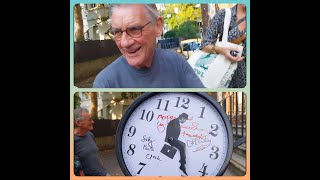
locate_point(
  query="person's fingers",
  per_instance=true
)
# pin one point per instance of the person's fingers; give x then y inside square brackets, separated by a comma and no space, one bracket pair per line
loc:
[240,59]
[232,49]
[232,58]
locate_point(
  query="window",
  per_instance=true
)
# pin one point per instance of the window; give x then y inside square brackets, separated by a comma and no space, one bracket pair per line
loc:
[109,112]
[84,96]
[90,6]
[96,33]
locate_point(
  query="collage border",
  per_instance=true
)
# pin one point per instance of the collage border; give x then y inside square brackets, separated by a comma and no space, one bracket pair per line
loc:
[74,89]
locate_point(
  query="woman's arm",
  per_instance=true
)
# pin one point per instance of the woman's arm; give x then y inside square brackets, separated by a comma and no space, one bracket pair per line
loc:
[210,49]
[210,35]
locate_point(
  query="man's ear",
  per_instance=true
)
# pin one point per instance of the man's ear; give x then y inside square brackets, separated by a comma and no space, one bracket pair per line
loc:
[159,26]
[78,122]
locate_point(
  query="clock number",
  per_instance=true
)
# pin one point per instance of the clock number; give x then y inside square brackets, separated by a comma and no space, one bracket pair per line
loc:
[132,130]
[204,170]
[201,116]
[177,102]
[148,118]
[215,153]
[185,105]
[143,164]
[187,102]
[214,130]
[166,108]
[130,151]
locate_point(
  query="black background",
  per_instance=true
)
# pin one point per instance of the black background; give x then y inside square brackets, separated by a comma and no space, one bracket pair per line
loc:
[35,85]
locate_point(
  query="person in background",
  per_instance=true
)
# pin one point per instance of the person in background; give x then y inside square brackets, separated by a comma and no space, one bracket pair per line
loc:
[237,35]
[134,28]
[85,147]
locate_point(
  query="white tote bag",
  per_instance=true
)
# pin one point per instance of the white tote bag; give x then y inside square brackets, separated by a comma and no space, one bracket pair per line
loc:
[215,70]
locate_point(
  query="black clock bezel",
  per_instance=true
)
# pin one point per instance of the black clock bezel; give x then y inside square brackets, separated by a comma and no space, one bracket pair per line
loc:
[147,95]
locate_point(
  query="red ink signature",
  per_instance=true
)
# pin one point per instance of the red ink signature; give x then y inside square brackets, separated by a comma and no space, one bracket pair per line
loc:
[160,127]
[193,127]
[200,136]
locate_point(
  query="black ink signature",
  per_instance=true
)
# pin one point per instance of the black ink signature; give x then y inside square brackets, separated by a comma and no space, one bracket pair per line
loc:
[149,146]
[200,144]
[150,156]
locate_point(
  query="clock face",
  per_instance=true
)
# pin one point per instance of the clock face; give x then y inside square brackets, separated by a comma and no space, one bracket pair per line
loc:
[174,134]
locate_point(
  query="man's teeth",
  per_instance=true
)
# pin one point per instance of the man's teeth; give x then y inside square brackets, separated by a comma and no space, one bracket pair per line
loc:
[134,51]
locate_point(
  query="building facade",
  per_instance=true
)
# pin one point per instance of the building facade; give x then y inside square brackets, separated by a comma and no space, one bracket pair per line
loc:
[95,21]
[111,105]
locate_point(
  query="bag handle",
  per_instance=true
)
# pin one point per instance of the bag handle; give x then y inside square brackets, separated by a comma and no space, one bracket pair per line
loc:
[238,22]
[226,24]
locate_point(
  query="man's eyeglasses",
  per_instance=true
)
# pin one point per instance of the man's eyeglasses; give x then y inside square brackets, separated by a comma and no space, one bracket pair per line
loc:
[134,32]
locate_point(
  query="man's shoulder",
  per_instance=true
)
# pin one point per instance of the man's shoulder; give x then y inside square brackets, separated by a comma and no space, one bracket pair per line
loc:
[169,55]
[114,66]
[77,138]
[119,61]
[107,75]
[166,52]
[90,134]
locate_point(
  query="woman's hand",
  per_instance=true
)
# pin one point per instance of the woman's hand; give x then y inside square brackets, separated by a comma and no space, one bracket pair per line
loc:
[226,51]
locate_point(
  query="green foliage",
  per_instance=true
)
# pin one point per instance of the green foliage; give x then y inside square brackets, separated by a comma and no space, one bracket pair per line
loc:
[127,95]
[185,12]
[170,34]
[77,101]
[188,30]
[131,95]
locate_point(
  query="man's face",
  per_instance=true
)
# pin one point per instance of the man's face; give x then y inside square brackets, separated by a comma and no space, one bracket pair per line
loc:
[87,122]
[137,51]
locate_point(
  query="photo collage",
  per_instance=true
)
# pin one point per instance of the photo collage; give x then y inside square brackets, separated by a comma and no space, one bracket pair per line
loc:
[159,90]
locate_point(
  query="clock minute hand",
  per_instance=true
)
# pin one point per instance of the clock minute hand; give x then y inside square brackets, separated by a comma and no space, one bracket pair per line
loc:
[181,146]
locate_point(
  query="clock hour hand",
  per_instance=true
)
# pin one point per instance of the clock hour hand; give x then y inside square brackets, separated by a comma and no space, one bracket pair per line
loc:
[181,146]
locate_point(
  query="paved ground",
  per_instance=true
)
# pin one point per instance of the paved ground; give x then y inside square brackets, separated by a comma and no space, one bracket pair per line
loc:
[110,161]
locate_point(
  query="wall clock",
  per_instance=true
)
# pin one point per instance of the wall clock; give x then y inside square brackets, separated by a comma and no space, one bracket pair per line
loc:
[174,134]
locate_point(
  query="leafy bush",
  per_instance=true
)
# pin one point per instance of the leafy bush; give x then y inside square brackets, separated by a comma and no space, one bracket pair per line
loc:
[170,34]
[188,30]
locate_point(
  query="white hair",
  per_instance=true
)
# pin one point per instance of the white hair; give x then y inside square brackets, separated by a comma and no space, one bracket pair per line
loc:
[152,11]
[78,113]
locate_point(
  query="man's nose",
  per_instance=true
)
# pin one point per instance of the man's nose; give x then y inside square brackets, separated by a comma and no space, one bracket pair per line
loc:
[126,40]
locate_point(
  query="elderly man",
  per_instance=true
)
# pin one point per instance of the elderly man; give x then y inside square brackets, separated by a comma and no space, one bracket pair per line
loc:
[135,28]
[85,148]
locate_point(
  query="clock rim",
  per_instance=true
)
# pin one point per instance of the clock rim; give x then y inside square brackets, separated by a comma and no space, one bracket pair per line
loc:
[147,95]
